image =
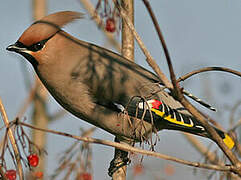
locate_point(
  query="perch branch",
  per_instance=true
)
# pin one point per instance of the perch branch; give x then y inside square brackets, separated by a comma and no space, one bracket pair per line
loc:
[129,148]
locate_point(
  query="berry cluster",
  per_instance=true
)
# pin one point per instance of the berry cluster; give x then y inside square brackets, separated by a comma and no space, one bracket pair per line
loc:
[33,161]
[109,15]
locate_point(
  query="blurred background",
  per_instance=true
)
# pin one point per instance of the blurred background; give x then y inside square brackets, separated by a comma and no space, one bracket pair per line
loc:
[198,34]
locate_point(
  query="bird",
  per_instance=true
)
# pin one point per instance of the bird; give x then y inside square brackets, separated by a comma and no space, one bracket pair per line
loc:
[98,85]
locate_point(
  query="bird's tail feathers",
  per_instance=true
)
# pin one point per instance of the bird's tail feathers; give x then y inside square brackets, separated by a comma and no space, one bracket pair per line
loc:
[172,119]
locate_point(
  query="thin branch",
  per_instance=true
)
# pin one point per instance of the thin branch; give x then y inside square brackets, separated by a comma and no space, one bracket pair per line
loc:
[12,140]
[223,69]
[129,148]
[188,75]
[150,60]
[161,37]
[163,43]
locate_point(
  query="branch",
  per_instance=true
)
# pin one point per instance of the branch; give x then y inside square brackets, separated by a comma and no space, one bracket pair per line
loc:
[129,148]
[223,69]
[118,166]
[12,140]
[188,75]
[150,60]
[157,27]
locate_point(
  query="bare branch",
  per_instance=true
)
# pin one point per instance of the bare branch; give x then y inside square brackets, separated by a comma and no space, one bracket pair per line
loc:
[161,37]
[150,60]
[206,69]
[12,140]
[129,148]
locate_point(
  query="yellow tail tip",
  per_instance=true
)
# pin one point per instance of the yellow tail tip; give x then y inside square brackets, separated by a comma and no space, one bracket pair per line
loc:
[228,141]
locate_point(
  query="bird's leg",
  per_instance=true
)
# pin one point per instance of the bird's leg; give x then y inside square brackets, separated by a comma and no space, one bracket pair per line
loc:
[120,159]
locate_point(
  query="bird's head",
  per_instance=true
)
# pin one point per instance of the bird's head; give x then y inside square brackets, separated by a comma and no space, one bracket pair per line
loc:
[33,39]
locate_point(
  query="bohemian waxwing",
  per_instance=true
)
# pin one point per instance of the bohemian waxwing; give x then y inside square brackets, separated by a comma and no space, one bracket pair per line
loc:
[98,85]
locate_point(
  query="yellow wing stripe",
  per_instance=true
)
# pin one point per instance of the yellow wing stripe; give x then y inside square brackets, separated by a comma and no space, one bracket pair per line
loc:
[168,118]
[228,141]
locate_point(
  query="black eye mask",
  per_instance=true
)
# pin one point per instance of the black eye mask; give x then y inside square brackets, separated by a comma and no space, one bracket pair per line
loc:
[37,46]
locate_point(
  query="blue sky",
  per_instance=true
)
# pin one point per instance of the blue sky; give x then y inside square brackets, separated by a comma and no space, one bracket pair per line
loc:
[198,34]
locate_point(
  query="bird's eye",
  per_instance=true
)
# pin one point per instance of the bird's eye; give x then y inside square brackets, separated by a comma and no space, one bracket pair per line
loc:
[37,46]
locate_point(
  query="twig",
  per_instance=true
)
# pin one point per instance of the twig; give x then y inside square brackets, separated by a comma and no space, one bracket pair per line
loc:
[188,75]
[157,27]
[224,70]
[150,60]
[129,148]
[12,140]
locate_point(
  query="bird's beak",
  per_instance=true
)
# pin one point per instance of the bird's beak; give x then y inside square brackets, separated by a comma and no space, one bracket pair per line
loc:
[20,48]
[17,47]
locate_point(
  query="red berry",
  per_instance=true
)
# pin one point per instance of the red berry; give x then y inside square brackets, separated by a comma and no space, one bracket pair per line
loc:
[11,174]
[110,25]
[85,176]
[169,169]
[38,174]
[33,160]
[138,169]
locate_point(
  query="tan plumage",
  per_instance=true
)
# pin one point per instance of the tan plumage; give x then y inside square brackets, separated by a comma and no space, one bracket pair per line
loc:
[88,80]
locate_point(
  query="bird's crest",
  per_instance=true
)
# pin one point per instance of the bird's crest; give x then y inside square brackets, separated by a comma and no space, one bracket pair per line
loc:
[47,26]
